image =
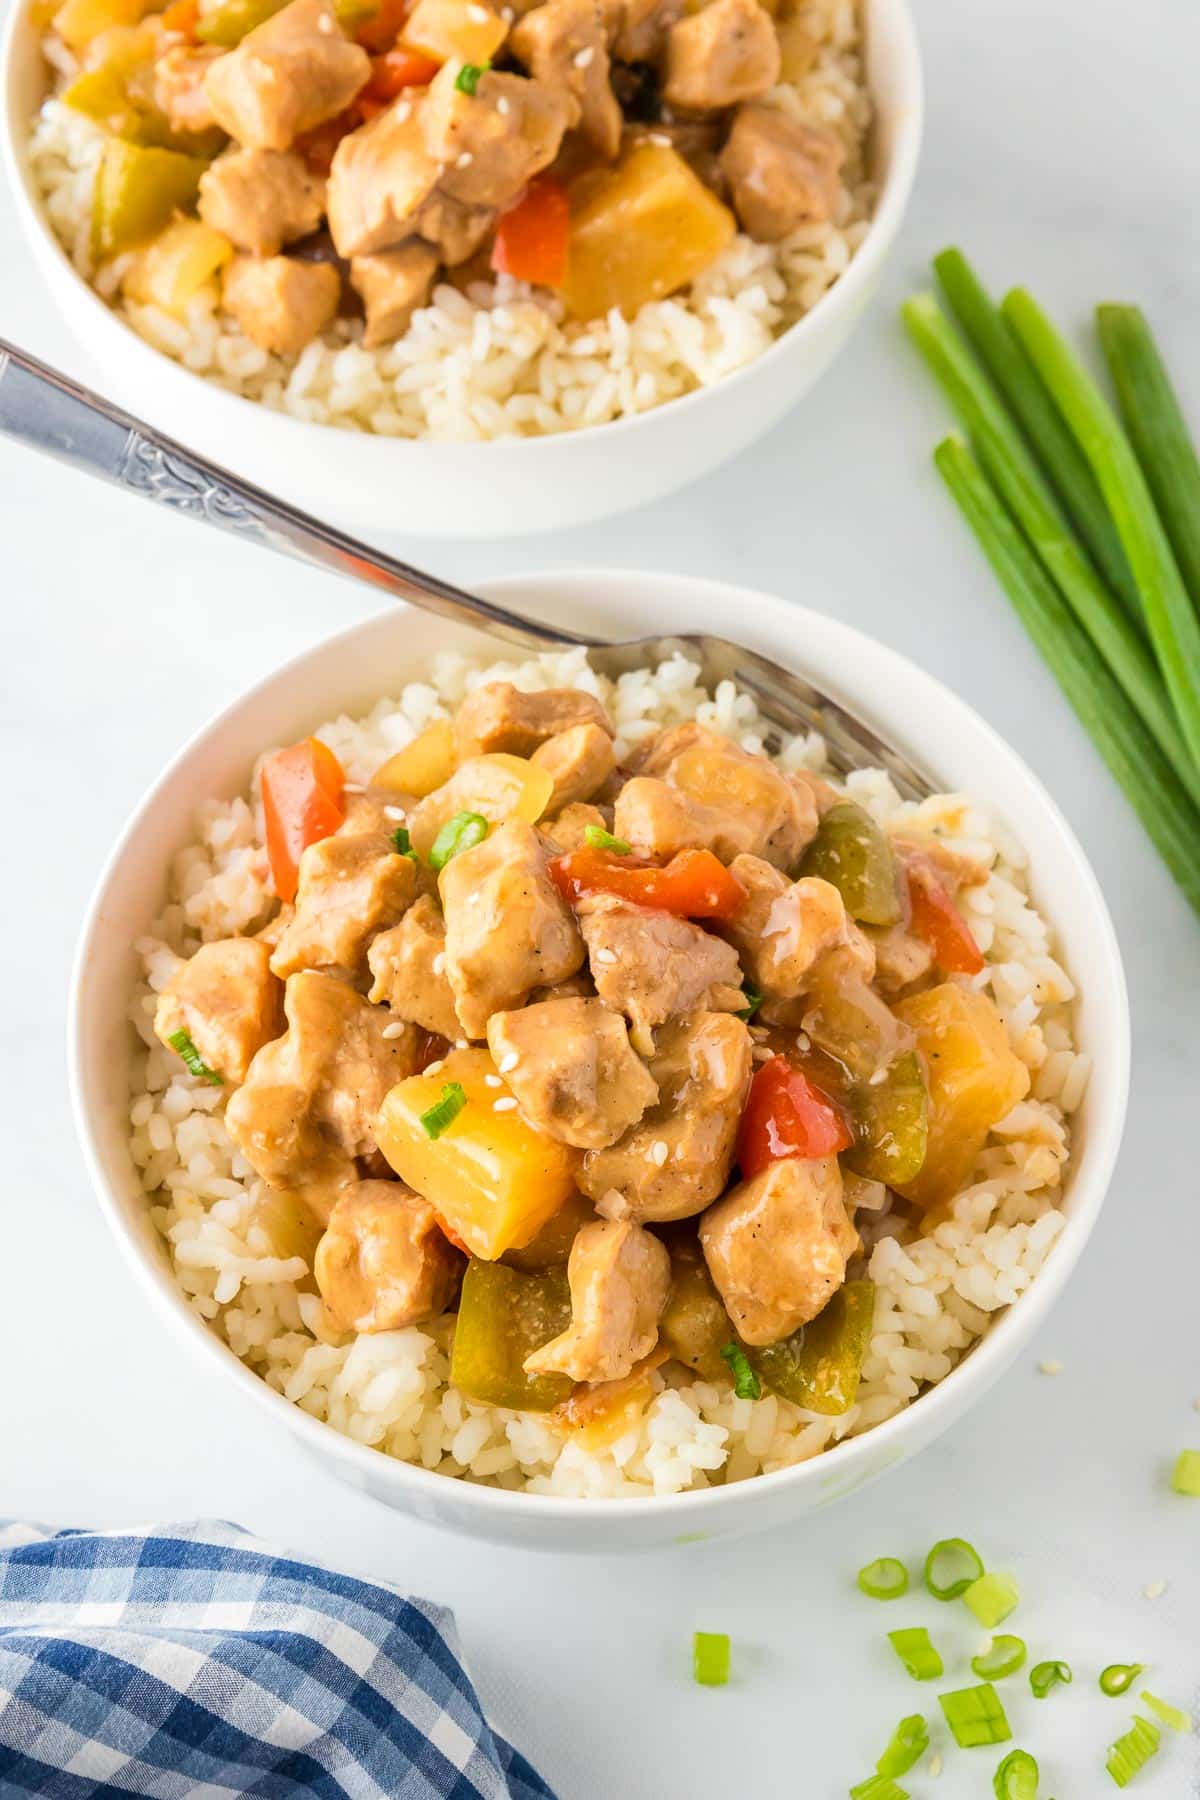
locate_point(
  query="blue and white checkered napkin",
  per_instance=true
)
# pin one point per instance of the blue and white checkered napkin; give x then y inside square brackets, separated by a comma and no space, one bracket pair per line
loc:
[197,1661]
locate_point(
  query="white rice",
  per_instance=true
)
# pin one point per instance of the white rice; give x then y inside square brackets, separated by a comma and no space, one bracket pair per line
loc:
[937,1294]
[501,360]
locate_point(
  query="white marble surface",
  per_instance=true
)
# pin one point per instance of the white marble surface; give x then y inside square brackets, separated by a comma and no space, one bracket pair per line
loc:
[1061,150]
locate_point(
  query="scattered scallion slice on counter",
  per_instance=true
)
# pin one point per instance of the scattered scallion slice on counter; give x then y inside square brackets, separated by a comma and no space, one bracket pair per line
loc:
[1171,1716]
[906,1746]
[950,1568]
[467,79]
[1118,1678]
[596,838]
[878,1787]
[1017,1777]
[918,1654]
[991,1599]
[1185,1478]
[182,1044]
[746,1384]
[444,1110]
[753,1001]
[1003,1656]
[975,1716]
[1132,1751]
[710,1658]
[884,1579]
[1047,1675]
[462,832]
[401,842]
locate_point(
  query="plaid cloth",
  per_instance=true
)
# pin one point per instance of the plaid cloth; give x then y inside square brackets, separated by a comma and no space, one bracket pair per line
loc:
[197,1661]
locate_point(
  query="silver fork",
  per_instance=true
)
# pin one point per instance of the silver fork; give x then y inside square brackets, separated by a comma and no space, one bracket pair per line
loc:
[44,409]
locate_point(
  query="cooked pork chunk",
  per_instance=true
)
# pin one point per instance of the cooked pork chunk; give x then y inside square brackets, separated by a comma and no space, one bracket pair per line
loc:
[179,90]
[784,926]
[393,283]
[696,789]
[383,1262]
[725,54]
[287,75]
[901,960]
[280,303]
[381,177]
[619,1277]
[643,27]
[478,785]
[501,717]
[651,965]
[507,929]
[954,869]
[261,199]
[777,1247]
[568,831]
[308,1104]
[578,761]
[489,143]
[408,964]
[229,1003]
[781,172]
[677,1160]
[570,1064]
[455,231]
[349,889]
[564,43]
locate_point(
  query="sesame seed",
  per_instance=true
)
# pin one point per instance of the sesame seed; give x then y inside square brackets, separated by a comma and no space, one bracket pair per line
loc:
[877,1078]
[435,1068]
[1050,1366]
[762,1053]
[661,139]
[394,812]
[492,1081]
[439,962]
[461,1044]
[502,106]
[935,1765]
[353,787]
[508,1104]
[403,111]
[803,1041]
[604,956]
[396,1030]
[659,1151]
[325,24]
[1155,1591]
[465,160]
[584,57]
[508,1062]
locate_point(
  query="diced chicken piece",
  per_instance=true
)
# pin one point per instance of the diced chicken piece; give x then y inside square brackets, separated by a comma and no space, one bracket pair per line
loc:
[643,27]
[455,231]
[848,966]
[781,172]
[380,179]
[571,1066]
[653,966]
[261,199]
[280,303]
[275,927]
[564,43]
[499,717]
[619,1277]
[349,889]
[777,1247]
[677,1159]
[784,926]
[287,75]
[578,761]
[719,797]
[478,785]
[383,1262]
[393,283]
[489,143]
[815,788]
[718,57]
[954,869]
[375,810]
[179,89]
[569,830]
[229,1003]
[309,1102]
[508,931]
[408,964]
[901,960]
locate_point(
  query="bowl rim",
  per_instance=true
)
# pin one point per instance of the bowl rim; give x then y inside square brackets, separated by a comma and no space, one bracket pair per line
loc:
[987,1359]
[882,228]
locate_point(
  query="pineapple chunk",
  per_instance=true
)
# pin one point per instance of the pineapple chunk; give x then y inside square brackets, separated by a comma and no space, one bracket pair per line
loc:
[497,786]
[639,231]
[455,31]
[491,1177]
[172,269]
[79,21]
[973,1077]
[425,764]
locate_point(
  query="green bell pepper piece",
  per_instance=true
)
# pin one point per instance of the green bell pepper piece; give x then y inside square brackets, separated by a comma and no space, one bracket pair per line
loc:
[890,1120]
[505,1315]
[695,1326]
[851,852]
[820,1365]
[138,188]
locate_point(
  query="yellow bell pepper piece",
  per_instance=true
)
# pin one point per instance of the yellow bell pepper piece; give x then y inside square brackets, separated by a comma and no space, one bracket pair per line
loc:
[454,31]
[422,766]
[173,268]
[491,1177]
[137,190]
[497,786]
[973,1078]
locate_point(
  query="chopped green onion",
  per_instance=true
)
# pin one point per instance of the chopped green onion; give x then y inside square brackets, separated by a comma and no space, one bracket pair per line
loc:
[753,1001]
[196,1065]
[596,838]
[444,1110]
[1186,1477]
[950,1568]
[917,1653]
[1132,1751]
[1017,1777]
[462,832]
[401,842]
[906,1747]
[1118,1678]
[1046,1675]
[992,1598]
[1166,1713]
[467,79]
[884,1579]
[710,1658]
[746,1384]
[975,1716]
[878,1787]
[1003,1656]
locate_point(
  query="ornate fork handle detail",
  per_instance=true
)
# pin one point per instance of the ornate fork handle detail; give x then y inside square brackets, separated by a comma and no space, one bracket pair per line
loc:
[185,486]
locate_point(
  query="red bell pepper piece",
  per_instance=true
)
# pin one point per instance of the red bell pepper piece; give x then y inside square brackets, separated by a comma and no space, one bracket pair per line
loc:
[937,922]
[381,30]
[394,71]
[302,800]
[531,237]
[787,1115]
[694,884]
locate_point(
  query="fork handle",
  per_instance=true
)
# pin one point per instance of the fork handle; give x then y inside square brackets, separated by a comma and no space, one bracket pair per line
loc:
[43,408]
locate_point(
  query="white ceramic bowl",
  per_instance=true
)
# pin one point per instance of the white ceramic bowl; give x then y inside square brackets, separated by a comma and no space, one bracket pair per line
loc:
[347,673]
[512,485]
